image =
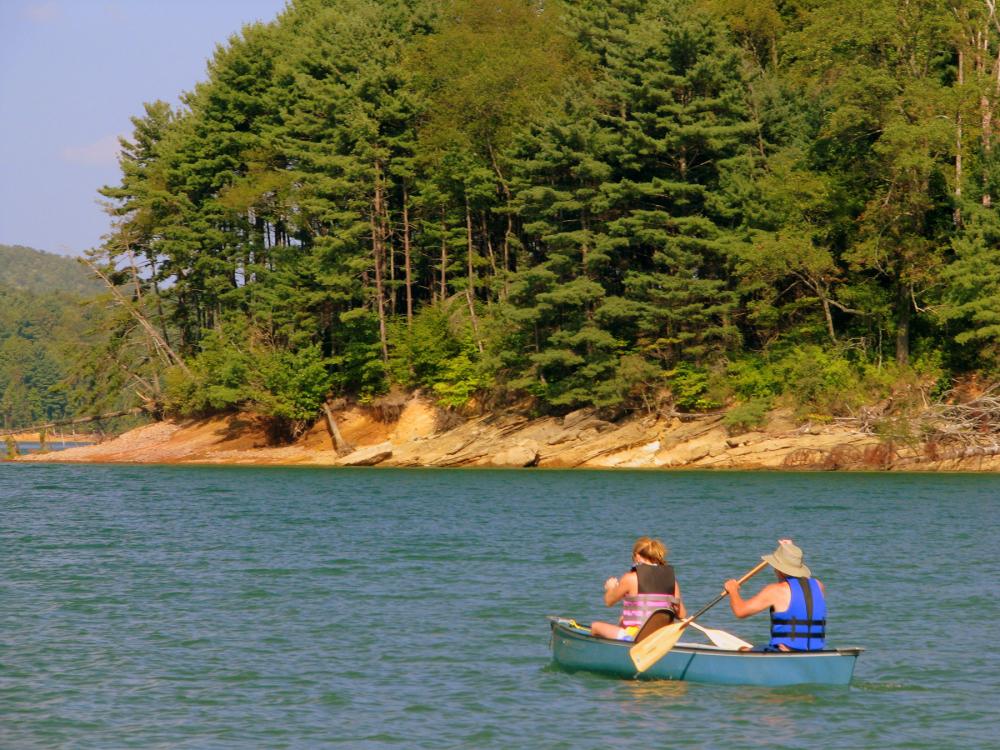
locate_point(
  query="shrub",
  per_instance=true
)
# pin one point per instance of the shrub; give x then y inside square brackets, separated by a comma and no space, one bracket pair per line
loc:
[438,353]
[746,416]
[691,389]
[234,370]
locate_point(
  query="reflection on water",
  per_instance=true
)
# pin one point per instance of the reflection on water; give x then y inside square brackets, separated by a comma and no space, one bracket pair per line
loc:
[634,692]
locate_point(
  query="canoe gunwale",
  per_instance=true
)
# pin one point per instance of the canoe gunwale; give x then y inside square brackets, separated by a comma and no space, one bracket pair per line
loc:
[705,648]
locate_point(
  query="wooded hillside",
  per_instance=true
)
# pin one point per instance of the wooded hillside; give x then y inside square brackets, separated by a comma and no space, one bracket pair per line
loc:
[42,273]
[616,203]
[44,327]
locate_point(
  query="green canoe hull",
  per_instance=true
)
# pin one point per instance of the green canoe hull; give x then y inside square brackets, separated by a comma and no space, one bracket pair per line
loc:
[573,648]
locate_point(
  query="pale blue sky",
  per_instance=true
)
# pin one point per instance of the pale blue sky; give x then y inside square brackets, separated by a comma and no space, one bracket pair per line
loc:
[72,73]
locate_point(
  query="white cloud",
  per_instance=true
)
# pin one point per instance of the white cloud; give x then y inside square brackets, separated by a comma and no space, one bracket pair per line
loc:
[42,12]
[100,153]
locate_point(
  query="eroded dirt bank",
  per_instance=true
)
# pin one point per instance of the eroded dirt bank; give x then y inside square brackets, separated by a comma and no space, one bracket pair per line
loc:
[579,439]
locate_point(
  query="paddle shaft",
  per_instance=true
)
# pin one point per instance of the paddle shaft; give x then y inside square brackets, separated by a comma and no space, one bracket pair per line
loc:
[722,596]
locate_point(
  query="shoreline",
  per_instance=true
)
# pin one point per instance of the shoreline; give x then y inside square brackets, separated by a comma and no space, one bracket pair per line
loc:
[32,437]
[578,440]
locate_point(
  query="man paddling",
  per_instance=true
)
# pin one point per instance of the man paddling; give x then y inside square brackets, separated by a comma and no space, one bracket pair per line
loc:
[797,602]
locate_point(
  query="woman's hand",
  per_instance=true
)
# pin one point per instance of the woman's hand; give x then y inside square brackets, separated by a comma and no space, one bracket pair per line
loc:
[611,583]
[731,586]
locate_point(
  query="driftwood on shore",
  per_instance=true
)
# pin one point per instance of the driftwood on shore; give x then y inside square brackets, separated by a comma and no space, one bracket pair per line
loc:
[950,429]
[341,446]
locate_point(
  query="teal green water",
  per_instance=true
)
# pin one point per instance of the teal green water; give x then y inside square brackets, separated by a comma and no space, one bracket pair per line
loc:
[177,607]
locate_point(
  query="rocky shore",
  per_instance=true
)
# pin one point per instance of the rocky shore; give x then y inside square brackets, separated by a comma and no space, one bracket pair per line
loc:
[416,437]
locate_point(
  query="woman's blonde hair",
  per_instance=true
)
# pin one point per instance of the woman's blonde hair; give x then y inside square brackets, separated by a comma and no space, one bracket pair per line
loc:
[650,549]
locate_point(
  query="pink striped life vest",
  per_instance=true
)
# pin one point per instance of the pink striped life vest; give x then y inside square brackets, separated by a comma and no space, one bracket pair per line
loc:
[656,591]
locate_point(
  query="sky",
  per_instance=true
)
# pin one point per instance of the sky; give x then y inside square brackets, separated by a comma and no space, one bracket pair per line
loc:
[72,73]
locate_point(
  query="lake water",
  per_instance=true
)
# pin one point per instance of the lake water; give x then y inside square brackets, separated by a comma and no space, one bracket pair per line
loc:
[193,607]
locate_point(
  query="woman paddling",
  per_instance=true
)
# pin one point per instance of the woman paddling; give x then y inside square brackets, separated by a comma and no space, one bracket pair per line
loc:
[649,586]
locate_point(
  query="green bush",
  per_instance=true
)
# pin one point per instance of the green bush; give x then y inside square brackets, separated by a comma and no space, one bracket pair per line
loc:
[219,379]
[234,371]
[418,355]
[821,381]
[691,389]
[357,362]
[438,353]
[746,416]
[292,385]
[460,378]
[753,377]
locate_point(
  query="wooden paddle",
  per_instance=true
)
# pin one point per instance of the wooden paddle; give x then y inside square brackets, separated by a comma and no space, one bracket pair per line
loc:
[646,653]
[722,639]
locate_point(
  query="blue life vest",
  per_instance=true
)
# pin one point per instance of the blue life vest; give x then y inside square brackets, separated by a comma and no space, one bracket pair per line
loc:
[801,627]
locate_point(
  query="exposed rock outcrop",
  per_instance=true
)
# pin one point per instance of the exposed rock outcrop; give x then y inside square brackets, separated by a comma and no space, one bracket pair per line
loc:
[368,456]
[580,439]
[519,456]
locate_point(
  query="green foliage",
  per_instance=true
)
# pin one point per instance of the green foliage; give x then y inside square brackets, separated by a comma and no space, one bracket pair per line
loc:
[691,389]
[460,378]
[588,203]
[235,371]
[41,273]
[357,365]
[746,416]
[437,354]
[754,378]
[293,385]
[38,336]
[829,381]
[972,297]
[821,381]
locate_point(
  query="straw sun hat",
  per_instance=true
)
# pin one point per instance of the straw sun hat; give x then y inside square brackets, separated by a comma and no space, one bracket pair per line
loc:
[787,558]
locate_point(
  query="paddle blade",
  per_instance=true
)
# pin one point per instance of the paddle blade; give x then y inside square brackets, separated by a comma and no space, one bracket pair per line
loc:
[722,639]
[646,653]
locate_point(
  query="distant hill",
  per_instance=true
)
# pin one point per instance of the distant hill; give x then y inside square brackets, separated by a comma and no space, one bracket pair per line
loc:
[43,273]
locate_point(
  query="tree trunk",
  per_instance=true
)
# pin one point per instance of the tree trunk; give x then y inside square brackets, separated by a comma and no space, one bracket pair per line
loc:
[341,446]
[986,113]
[489,246]
[406,258]
[159,303]
[169,354]
[469,248]
[829,320]
[444,257]
[470,290]
[957,218]
[377,252]
[390,253]
[904,312]
[510,221]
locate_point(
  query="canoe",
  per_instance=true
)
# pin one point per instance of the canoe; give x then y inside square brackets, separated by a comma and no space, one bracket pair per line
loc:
[574,648]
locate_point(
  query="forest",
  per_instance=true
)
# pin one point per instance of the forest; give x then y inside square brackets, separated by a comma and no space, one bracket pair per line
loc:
[44,327]
[624,204]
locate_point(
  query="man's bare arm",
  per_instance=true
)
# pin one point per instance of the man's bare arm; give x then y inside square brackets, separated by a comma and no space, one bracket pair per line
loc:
[767,597]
